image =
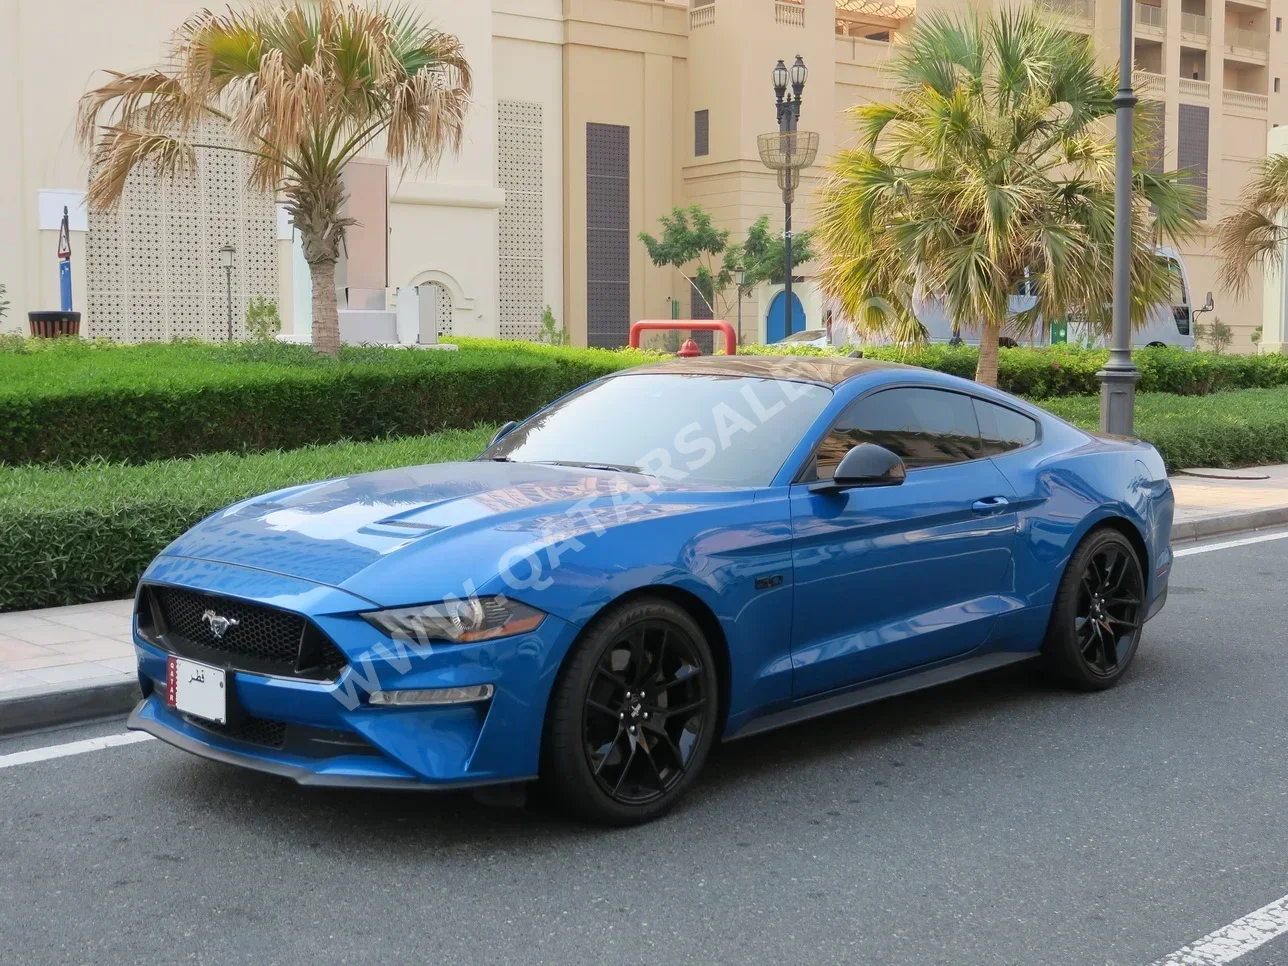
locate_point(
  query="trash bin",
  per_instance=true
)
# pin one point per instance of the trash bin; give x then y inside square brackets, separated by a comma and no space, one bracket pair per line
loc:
[50,325]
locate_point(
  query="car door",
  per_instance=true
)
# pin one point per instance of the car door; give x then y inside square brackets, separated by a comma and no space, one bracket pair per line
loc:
[893,577]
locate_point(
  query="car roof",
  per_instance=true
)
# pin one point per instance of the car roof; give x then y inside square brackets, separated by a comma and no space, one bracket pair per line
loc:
[823,370]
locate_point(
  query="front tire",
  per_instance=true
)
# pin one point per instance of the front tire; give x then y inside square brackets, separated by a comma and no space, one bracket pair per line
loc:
[1098,614]
[633,714]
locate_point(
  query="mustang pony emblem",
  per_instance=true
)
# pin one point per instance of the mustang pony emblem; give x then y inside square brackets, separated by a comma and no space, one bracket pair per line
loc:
[219,626]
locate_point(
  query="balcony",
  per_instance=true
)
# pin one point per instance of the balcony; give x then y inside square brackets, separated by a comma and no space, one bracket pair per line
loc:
[702,16]
[1246,101]
[1151,19]
[1196,88]
[868,21]
[1247,44]
[789,13]
[1079,13]
[1147,82]
[1195,27]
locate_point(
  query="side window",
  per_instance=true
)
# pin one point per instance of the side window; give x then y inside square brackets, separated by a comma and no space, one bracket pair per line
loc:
[924,427]
[1002,429]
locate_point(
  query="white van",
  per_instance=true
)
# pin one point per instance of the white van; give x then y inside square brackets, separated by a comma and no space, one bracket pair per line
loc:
[1170,323]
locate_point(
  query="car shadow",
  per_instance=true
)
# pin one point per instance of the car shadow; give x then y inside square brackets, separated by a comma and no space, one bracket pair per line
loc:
[421,824]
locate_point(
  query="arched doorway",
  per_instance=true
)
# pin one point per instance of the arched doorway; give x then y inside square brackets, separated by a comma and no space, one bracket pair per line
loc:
[776,327]
[440,315]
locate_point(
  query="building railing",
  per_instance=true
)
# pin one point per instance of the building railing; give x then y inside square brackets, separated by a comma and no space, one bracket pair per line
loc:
[1195,88]
[1147,82]
[1083,11]
[790,13]
[1246,99]
[703,16]
[1195,26]
[1150,17]
[1258,40]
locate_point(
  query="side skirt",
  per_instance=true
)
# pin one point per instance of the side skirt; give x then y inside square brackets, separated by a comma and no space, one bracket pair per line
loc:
[880,690]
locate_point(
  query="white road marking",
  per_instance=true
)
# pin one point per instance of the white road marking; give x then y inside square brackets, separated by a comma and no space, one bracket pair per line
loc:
[1262,538]
[1230,942]
[32,755]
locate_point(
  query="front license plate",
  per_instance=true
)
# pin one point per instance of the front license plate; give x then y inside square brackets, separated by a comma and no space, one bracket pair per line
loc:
[197,689]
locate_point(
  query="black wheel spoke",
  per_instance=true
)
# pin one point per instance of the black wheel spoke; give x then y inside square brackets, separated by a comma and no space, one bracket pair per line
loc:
[688,709]
[607,674]
[609,752]
[626,767]
[671,746]
[594,705]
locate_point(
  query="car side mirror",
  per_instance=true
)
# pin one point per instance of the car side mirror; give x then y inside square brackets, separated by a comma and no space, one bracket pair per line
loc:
[502,432]
[1209,305]
[866,465]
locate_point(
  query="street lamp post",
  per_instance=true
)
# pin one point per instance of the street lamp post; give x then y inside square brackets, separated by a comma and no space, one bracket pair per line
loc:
[1119,376]
[226,260]
[789,114]
[739,276]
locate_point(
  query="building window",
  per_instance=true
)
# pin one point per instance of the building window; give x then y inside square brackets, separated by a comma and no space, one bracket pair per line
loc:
[1279,24]
[1192,149]
[608,235]
[701,133]
[1276,85]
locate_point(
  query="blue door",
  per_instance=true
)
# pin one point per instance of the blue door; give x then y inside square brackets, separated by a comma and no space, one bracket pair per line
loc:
[776,327]
[891,578]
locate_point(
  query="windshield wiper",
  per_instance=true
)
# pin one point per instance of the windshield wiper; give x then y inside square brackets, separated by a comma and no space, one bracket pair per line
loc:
[610,467]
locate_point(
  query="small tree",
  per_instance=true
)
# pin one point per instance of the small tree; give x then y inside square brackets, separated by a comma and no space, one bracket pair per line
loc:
[688,237]
[1255,338]
[762,254]
[262,321]
[552,333]
[4,302]
[1216,334]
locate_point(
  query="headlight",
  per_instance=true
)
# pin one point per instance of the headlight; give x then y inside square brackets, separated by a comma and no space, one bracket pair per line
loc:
[459,621]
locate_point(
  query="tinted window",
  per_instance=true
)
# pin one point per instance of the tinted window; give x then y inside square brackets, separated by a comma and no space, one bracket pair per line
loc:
[731,430]
[924,427]
[1002,429]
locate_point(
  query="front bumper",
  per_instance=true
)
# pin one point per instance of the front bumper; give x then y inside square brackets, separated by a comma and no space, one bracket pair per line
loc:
[326,732]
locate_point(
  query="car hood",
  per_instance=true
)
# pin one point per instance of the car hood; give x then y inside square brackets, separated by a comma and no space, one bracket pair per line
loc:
[446,523]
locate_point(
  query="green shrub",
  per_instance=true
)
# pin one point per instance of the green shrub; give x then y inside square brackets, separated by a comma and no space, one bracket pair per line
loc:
[84,533]
[76,401]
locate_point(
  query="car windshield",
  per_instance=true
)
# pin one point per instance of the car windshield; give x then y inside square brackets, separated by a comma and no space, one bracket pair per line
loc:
[808,335]
[722,430]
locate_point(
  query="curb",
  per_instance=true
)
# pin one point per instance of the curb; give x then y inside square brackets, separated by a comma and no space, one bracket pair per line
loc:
[31,710]
[1229,523]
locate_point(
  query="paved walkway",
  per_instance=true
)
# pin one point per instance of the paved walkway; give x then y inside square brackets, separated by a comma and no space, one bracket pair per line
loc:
[87,645]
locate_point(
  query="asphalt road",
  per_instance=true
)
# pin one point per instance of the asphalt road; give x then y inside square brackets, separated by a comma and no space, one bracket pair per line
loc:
[992,822]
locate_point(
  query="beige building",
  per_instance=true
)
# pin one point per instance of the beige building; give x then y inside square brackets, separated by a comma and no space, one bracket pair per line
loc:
[591,119]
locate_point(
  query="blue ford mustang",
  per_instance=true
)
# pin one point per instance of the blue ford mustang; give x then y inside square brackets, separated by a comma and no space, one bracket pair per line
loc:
[670,556]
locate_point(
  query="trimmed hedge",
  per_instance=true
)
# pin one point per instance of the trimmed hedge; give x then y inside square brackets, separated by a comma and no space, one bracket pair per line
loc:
[1049,372]
[77,401]
[87,532]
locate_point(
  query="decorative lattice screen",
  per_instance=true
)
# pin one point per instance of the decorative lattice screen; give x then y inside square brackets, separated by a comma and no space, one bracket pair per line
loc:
[442,306]
[152,265]
[520,290]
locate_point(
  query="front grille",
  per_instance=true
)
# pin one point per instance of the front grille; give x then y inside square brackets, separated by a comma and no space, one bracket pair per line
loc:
[253,731]
[255,638]
[302,740]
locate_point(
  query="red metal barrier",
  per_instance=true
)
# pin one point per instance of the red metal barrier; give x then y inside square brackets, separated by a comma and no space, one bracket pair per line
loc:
[730,340]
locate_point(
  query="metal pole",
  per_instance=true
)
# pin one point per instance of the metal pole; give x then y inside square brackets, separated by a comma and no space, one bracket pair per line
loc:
[740,315]
[1119,377]
[228,273]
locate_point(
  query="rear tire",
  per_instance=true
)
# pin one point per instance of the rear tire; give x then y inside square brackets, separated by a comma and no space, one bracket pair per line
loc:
[1098,614]
[632,716]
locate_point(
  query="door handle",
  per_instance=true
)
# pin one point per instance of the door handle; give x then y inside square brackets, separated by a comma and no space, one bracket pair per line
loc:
[989,504]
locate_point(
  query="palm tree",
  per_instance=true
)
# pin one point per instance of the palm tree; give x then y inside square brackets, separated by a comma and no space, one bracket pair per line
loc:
[995,157]
[305,87]
[1255,232]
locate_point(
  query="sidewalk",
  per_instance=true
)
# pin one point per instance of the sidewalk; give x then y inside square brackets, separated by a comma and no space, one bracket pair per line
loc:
[75,663]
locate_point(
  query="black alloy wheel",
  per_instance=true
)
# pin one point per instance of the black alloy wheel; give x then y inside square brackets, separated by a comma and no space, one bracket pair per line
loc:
[633,715]
[644,708]
[1110,598]
[1098,614]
